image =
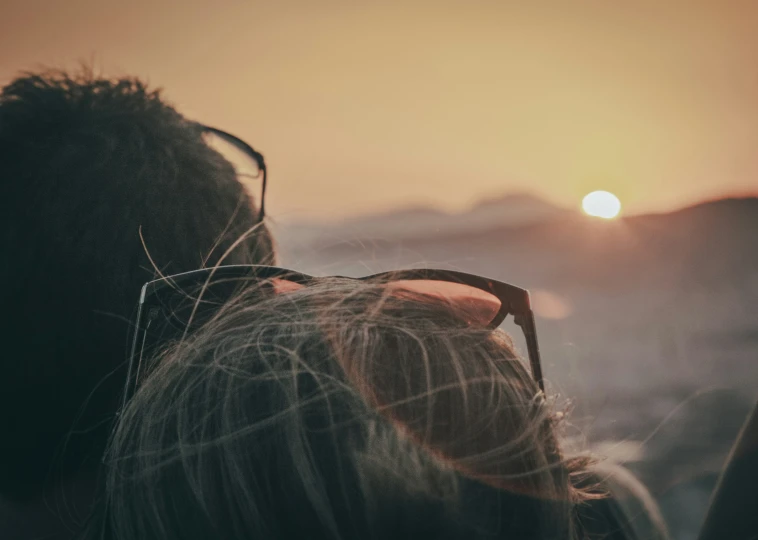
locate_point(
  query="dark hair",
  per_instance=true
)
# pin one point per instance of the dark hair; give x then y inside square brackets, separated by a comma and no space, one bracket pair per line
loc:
[337,411]
[90,168]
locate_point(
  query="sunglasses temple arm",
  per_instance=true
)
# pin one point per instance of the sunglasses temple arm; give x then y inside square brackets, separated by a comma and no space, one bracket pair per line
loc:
[132,354]
[533,348]
[262,202]
[132,373]
[129,370]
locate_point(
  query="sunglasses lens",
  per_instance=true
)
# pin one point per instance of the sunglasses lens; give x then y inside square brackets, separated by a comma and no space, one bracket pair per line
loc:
[473,305]
[188,307]
[174,312]
[244,164]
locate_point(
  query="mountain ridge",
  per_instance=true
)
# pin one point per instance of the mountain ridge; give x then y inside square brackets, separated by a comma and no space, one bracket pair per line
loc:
[708,244]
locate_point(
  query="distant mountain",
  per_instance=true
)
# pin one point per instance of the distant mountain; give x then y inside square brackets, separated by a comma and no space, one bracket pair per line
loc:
[507,211]
[711,243]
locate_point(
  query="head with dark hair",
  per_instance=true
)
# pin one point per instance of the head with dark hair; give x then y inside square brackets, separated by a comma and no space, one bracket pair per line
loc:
[102,183]
[340,410]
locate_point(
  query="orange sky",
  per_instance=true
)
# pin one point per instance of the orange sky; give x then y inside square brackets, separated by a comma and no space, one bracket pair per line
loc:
[364,106]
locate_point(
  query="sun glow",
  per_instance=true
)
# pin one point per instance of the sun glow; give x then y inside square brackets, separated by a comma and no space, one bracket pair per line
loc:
[602,204]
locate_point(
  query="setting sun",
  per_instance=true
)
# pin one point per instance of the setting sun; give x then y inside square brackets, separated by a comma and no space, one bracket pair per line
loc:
[601,204]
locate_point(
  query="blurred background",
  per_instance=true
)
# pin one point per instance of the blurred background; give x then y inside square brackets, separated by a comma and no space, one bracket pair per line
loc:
[466,135]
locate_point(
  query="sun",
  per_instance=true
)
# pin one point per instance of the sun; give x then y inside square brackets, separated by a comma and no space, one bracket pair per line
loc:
[602,204]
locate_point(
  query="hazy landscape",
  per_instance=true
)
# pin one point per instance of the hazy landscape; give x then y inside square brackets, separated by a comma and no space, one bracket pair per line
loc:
[649,324]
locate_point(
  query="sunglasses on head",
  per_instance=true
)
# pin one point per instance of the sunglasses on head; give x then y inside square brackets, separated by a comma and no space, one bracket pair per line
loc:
[172,306]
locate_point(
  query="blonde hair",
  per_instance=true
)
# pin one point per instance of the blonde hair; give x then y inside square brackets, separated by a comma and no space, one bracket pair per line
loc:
[339,410]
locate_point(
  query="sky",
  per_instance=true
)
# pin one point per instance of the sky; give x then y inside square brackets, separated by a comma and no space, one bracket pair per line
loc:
[363,107]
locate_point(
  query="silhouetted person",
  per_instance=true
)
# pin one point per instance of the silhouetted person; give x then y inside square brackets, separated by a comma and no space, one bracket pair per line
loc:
[87,165]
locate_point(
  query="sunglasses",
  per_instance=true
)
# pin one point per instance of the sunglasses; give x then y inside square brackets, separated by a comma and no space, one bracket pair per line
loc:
[171,307]
[247,161]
